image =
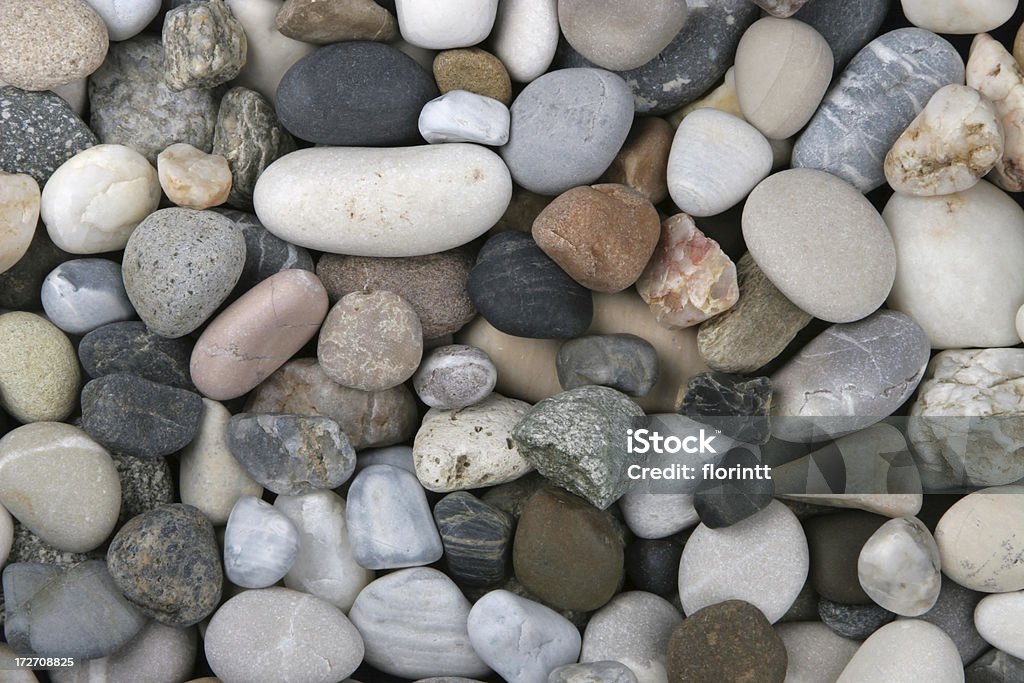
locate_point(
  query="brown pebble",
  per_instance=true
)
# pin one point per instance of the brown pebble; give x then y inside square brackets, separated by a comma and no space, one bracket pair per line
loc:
[475,70]
[602,235]
[522,211]
[642,163]
[335,21]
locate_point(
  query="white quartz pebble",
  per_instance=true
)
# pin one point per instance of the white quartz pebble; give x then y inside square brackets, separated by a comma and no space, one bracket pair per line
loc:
[959,16]
[462,116]
[525,37]
[260,544]
[993,71]
[999,618]
[125,18]
[19,213]
[898,567]
[445,24]
[192,178]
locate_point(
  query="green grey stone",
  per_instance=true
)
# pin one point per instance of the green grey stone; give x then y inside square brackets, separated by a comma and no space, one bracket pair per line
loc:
[204,44]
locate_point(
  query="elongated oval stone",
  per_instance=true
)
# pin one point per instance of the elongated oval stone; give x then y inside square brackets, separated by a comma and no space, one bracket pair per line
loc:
[363,201]
[882,90]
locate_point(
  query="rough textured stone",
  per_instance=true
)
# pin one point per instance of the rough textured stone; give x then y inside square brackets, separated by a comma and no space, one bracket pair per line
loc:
[454,376]
[737,406]
[323,23]
[477,539]
[38,133]
[735,643]
[130,347]
[994,72]
[621,361]
[131,105]
[132,415]
[633,629]
[204,45]
[592,672]
[978,542]
[725,503]
[781,8]
[192,178]
[166,562]
[474,70]
[566,552]
[835,542]
[853,621]
[39,375]
[618,37]
[146,484]
[576,440]
[19,213]
[602,236]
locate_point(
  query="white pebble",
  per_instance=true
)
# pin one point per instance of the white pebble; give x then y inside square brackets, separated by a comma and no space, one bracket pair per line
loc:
[19,213]
[525,37]
[999,618]
[992,71]
[125,18]
[260,544]
[959,16]
[898,567]
[462,116]
[908,651]
[192,178]
[445,24]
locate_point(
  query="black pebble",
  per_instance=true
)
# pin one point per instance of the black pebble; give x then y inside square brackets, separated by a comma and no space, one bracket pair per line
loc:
[130,347]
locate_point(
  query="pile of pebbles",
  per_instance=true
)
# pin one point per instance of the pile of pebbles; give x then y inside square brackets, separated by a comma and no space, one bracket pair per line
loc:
[322,324]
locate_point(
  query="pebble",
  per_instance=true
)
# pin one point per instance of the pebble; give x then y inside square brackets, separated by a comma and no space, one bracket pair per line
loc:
[324,566]
[323,23]
[401,612]
[980,233]
[204,45]
[369,419]
[567,553]
[334,96]
[399,456]
[131,105]
[520,639]
[125,19]
[814,653]
[270,53]
[192,178]
[130,347]
[689,279]
[19,213]
[658,514]
[445,24]
[620,38]
[477,539]
[781,8]
[642,161]
[250,137]
[546,152]
[146,484]
[260,544]
[602,235]
[471,447]
[998,618]
[762,560]
[258,333]
[83,294]
[454,376]
[715,161]
[462,116]
[977,542]
[60,484]
[783,68]
[653,565]
[574,440]
[461,190]
[371,341]
[735,642]
[723,504]
[737,406]
[879,94]
[835,543]
[953,612]
[265,254]
[389,522]
[755,330]
[157,653]
[521,291]
[803,223]
[849,377]
[634,630]
[853,621]
[910,650]
[41,598]
[995,667]
[94,200]
[525,37]
[957,16]
[29,33]
[953,142]
[291,454]
[6,534]
[994,72]
[474,70]
[132,415]
[179,266]
[38,133]
[39,375]
[433,284]
[847,26]
[899,567]
[28,547]
[592,672]
[283,635]
[167,563]
[621,361]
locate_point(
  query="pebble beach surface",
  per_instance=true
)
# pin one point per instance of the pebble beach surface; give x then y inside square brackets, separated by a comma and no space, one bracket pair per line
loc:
[330,331]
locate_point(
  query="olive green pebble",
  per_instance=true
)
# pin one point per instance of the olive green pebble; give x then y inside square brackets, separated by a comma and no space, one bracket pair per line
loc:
[39,375]
[475,70]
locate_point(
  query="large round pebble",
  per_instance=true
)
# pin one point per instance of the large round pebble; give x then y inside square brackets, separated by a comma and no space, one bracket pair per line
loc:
[39,375]
[156,653]
[958,16]
[620,361]
[910,651]
[83,294]
[979,544]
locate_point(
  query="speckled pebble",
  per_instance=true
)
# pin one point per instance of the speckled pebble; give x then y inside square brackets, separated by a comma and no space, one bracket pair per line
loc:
[39,375]
[454,376]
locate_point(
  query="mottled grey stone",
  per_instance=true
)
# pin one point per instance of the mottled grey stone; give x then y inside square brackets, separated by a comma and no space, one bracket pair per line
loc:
[455,376]
[696,58]
[28,547]
[881,91]
[995,667]
[266,254]
[21,285]
[83,294]
[167,563]
[567,127]
[132,415]
[146,484]
[846,26]
[853,621]
[953,612]
[737,406]
[131,105]
[38,132]
[577,439]
[130,347]
[620,361]
[593,672]
[291,454]
[849,377]
[477,539]
[204,45]
[179,266]
[250,137]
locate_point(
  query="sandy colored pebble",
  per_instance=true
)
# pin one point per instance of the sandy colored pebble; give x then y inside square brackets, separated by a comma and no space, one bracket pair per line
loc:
[192,178]
[39,375]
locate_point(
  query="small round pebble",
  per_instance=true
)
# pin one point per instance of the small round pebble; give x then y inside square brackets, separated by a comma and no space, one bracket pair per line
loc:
[620,361]
[898,567]
[443,24]
[462,116]
[83,294]
[454,376]
[39,375]
[477,539]
[853,621]
[192,178]
[475,70]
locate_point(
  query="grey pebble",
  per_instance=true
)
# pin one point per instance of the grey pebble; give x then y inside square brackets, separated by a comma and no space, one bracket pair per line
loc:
[953,612]
[21,285]
[83,294]
[620,361]
[131,347]
[266,254]
[38,133]
[477,539]
[593,672]
[846,26]
[204,45]
[995,667]
[146,484]
[853,621]
[455,376]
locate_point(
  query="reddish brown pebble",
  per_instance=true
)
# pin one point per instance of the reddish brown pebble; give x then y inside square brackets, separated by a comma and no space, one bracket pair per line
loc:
[258,333]
[602,235]
[642,163]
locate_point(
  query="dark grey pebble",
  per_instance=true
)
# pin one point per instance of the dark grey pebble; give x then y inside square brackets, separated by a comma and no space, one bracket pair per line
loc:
[846,26]
[266,254]
[146,484]
[477,539]
[620,361]
[738,406]
[722,503]
[853,621]
[995,666]
[653,565]
[38,133]
[130,347]
[21,285]
[953,612]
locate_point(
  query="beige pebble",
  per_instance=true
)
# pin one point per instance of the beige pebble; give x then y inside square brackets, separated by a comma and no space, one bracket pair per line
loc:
[258,333]
[39,374]
[315,21]
[642,163]
[19,213]
[192,178]
[993,72]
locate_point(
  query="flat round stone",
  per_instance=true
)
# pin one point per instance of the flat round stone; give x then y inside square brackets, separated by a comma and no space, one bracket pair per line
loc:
[905,650]
[130,347]
[454,376]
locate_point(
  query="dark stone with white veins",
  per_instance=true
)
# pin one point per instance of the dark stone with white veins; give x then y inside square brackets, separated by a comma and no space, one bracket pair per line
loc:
[477,539]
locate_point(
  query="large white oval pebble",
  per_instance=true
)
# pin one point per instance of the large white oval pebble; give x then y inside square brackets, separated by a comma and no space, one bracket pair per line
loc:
[908,651]
[999,618]
[959,16]
[525,37]
[364,201]
[445,24]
